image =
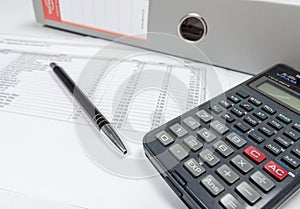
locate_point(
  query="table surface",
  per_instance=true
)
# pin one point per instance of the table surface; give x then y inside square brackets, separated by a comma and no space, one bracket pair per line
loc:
[18,18]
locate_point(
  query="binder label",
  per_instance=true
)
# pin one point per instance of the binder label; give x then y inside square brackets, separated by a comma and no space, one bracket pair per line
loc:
[119,18]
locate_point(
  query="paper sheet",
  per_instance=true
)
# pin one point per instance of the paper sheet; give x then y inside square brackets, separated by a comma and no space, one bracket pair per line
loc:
[25,60]
[41,154]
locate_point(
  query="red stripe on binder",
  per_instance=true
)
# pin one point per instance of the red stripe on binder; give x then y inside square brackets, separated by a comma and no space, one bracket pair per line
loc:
[51,10]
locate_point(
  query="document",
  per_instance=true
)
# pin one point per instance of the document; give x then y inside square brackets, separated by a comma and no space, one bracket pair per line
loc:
[152,91]
[46,142]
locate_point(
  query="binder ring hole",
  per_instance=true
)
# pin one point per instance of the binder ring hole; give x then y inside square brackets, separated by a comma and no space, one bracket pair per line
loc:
[192,28]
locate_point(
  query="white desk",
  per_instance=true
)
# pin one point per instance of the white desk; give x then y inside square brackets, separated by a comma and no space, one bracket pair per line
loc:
[16,167]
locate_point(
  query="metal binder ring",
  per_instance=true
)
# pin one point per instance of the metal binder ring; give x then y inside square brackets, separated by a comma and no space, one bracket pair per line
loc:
[192,28]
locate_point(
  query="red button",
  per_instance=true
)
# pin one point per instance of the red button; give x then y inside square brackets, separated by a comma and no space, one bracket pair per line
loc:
[254,154]
[276,171]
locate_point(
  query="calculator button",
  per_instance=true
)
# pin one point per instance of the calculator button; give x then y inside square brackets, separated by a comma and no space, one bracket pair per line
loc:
[291,161]
[209,157]
[216,109]
[251,121]
[246,106]
[257,137]
[254,154]
[219,127]
[242,164]
[194,167]
[242,127]
[204,116]
[262,181]
[242,94]
[230,202]
[269,109]
[292,134]
[237,111]
[191,123]
[164,138]
[178,152]
[268,131]
[273,148]
[236,140]
[223,149]
[212,185]
[234,99]
[225,104]
[228,117]
[284,118]
[275,170]
[248,193]
[296,152]
[275,124]
[227,174]
[284,142]
[193,143]
[178,130]
[206,135]
[255,101]
[260,115]
[296,126]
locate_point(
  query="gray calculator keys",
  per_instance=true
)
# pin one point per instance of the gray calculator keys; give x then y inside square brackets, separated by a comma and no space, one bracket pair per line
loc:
[164,138]
[219,127]
[242,164]
[230,202]
[262,181]
[193,143]
[223,149]
[191,123]
[227,174]
[178,152]
[204,116]
[248,193]
[212,185]
[236,140]
[209,157]
[194,167]
[207,135]
[178,130]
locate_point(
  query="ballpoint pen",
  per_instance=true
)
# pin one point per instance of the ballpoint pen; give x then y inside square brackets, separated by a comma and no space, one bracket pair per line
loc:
[94,114]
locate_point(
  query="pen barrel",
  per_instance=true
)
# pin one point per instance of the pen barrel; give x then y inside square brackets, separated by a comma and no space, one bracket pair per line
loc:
[90,109]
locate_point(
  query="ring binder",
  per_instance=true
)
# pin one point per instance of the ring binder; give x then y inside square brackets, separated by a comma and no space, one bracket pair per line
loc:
[243,35]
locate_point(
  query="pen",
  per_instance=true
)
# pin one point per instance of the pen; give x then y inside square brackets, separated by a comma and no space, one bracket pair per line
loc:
[95,115]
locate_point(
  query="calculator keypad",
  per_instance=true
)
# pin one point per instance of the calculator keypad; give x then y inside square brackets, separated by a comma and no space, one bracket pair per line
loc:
[221,144]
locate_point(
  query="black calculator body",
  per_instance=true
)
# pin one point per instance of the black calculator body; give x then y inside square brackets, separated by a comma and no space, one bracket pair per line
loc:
[239,150]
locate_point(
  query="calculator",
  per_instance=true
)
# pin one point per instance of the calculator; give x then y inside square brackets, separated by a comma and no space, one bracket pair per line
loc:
[239,150]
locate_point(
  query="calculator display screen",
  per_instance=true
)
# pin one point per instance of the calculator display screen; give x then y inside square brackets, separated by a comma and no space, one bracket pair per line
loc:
[280,95]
